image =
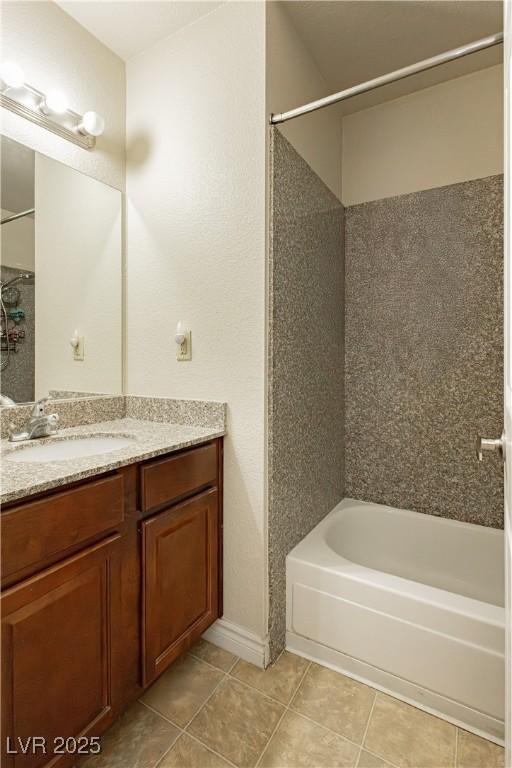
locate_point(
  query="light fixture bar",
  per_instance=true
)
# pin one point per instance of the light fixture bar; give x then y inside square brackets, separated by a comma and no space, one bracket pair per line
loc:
[25,102]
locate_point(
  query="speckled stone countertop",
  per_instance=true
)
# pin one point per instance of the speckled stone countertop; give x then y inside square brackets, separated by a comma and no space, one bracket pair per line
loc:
[22,479]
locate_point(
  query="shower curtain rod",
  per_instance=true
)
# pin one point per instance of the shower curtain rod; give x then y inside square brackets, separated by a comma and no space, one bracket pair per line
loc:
[17,216]
[391,77]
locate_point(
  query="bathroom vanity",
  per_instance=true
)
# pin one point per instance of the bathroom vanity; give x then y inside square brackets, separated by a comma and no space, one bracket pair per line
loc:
[106,581]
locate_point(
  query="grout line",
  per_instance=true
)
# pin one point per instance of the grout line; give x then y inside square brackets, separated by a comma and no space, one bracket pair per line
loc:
[168,750]
[266,746]
[253,688]
[228,672]
[326,728]
[286,710]
[367,726]
[227,675]
[164,717]
[456,746]
[218,754]
[205,702]
[224,671]
[296,690]
[369,719]
[212,666]
[182,729]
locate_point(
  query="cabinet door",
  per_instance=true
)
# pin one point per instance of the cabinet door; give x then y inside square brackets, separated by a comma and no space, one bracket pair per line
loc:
[57,675]
[180,574]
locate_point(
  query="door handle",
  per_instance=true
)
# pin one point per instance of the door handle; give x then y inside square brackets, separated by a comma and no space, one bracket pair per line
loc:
[486,444]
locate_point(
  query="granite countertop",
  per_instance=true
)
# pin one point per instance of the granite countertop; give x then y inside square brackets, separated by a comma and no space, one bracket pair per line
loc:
[22,479]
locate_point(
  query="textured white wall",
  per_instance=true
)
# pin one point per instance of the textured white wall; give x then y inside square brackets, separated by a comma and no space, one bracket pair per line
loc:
[78,265]
[445,134]
[56,52]
[294,79]
[196,252]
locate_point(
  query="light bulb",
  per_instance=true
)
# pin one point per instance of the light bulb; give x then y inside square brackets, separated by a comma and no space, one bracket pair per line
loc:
[12,75]
[55,102]
[92,124]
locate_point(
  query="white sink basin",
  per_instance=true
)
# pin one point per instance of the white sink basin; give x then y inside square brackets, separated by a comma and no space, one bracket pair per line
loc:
[67,449]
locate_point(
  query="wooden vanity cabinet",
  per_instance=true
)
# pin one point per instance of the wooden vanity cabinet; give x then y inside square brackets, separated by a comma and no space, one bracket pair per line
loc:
[180,579]
[105,584]
[59,673]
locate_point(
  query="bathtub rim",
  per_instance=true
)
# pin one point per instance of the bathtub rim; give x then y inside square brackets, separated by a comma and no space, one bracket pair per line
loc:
[314,551]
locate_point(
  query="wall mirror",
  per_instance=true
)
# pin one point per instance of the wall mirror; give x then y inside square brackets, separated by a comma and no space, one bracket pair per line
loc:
[60,280]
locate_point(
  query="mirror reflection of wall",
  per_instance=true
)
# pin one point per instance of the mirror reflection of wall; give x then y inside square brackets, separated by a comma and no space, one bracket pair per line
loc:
[61,272]
[17,265]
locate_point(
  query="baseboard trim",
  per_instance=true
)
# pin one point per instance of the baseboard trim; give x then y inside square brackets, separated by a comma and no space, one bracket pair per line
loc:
[240,641]
[435,704]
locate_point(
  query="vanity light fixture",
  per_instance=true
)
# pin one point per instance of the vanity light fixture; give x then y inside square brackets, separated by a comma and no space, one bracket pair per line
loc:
[92,124]
[55,103]
[48,110]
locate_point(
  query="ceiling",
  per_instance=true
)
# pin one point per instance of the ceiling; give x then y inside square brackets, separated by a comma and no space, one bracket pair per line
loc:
[353,41]
[350,40]
[128,27]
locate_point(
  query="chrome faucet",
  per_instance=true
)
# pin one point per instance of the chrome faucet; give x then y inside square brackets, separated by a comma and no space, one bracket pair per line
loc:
[40,424]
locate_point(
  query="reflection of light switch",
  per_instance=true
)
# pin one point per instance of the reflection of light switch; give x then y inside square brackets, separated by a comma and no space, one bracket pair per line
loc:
[78,348]
[184,350]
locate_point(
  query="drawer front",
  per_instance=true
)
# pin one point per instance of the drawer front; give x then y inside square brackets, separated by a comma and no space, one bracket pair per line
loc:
[175,477]
[41,529]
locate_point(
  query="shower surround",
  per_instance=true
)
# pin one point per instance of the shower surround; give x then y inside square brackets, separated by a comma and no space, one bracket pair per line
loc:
[385,355]
[424,350]
[306,338]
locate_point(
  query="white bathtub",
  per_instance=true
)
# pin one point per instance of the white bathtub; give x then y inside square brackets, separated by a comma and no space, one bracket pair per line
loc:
[410,603]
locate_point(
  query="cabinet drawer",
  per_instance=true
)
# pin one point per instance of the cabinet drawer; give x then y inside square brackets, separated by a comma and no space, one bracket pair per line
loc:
[175,477]
[38,530]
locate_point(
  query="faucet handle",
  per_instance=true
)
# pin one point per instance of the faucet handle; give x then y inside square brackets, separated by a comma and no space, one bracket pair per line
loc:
[38,407]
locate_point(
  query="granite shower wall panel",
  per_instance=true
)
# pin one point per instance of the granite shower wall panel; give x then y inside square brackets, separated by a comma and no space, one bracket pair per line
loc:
[306,354]
[18,376]
[424,350]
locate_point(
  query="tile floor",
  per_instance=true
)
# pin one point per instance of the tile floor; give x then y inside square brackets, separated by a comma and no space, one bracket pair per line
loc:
[213,710]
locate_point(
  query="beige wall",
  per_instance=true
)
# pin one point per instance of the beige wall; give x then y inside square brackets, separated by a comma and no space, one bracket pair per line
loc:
[17,242]
[78,284]
[294,79]
[56,52]
[445,134]
[196,253]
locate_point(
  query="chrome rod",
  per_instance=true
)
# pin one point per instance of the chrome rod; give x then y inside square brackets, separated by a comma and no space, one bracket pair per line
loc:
[17,216]
[391,77]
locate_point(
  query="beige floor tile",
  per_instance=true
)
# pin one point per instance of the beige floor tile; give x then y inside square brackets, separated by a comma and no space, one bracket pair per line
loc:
[214,655]
[475,752]
[183,689]
[188,753]
[336,701]
[279,681]
[236,722]
[408,737]
[138,740]
[367,760]
[299,743]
